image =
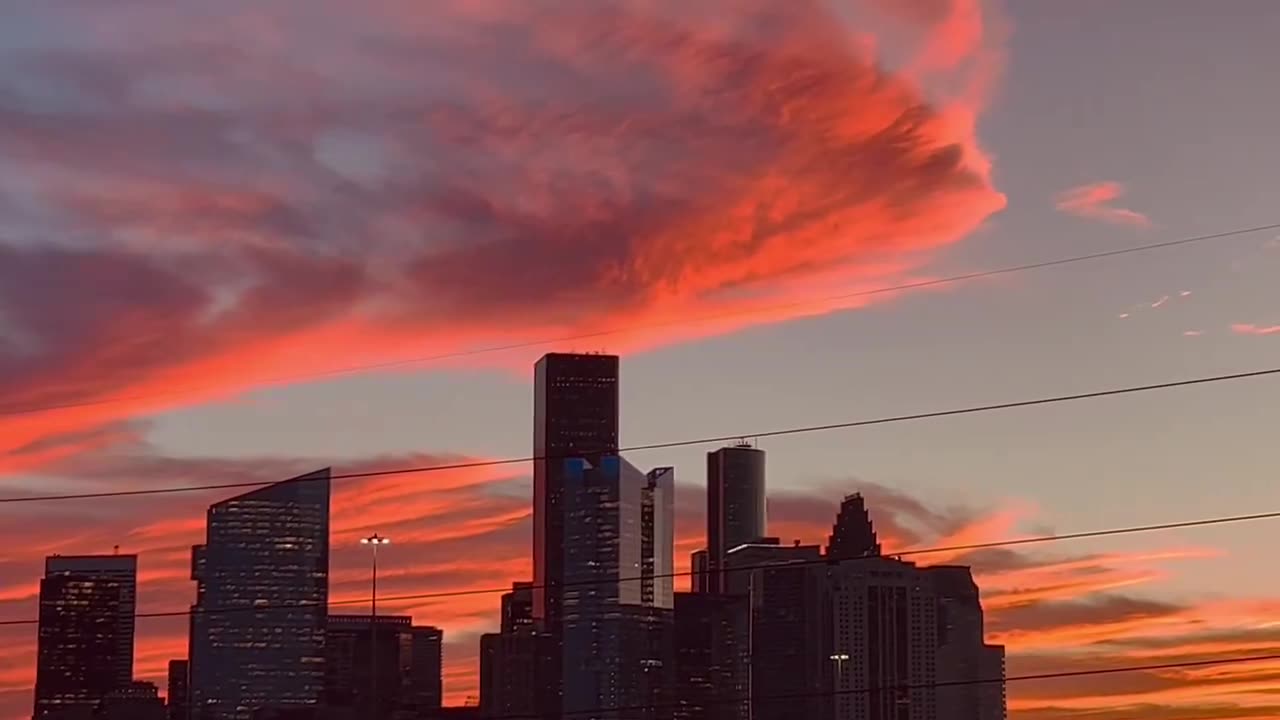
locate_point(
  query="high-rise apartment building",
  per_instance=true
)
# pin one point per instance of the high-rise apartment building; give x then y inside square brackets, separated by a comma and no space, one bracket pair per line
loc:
[178,696]
[86,632]
[616,626]
[262,590]
[735,505]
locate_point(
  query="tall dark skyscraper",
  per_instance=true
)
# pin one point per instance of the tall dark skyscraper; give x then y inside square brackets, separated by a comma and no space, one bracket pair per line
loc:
[86,632]
[735,505]
[575,415]
[262,591]
[178,697]
[788,619]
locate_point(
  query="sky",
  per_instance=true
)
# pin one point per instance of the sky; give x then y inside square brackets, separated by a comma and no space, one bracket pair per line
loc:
[240,241]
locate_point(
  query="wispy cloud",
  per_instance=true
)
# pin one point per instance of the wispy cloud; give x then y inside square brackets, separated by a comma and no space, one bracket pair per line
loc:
[1251,329]
[1095,201]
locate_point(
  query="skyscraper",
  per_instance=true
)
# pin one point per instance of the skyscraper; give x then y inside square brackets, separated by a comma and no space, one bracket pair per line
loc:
[178,697]
[514,662]
[575,415]
[853,535]
[966,663]
[787,593]
[86,631]
[712,636]
[735,504]
[262,590]
[616,615]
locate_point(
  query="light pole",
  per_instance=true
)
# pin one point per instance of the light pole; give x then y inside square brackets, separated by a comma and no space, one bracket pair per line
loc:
[839,659]
[374,541]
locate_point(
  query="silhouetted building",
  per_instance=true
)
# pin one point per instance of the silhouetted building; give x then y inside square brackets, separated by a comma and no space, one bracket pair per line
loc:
[712,636]
[135,701]
[262,590]
[883,641]
[456,712]
[699,571]
[787,589]
[515,662]
[408,666]
[853,535]
[617,594]
[966,663]
[86,632]
[735,505]
[575,414]
[178,697]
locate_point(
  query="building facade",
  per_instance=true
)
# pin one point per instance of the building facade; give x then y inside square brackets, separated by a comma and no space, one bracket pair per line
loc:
[575,414]
[178,695]
[735,505]
[262,590]
[617,615]
[85,636]
[712,633]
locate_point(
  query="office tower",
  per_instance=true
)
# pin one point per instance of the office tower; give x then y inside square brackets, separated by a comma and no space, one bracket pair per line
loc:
[735,504]
[699,566]
[616,627]
[515,662]
[262,591]
[786,587]
[853,535]
[575,414]
[408,665]
[178,697]
[135,701]
[712,635]
[86,631]
[424,681]
[965,662]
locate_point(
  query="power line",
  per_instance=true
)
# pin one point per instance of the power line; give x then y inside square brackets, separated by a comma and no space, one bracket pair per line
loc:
[747,312]
[825,561]
[887,420]
[908,687]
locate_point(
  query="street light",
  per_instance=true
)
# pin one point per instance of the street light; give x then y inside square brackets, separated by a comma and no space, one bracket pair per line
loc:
[374,541]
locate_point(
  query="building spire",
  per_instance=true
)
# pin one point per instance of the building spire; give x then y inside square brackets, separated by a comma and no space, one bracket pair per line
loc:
[852,535]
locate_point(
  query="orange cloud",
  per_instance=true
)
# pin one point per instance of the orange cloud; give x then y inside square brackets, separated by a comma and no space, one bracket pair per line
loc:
[705,164]
[1249,329]
[1094,201]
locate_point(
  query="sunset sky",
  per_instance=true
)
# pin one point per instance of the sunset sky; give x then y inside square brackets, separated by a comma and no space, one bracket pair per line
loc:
[242,240]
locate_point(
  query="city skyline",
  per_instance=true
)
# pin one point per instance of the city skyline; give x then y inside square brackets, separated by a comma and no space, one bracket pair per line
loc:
[244,242]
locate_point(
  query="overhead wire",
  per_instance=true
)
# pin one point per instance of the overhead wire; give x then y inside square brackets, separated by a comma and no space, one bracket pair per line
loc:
[910,687]
[822,561]
[846,425]
[744,312]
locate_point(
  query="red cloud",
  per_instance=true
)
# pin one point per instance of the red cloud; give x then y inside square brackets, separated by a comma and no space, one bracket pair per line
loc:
[1093,201]
[673,162]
